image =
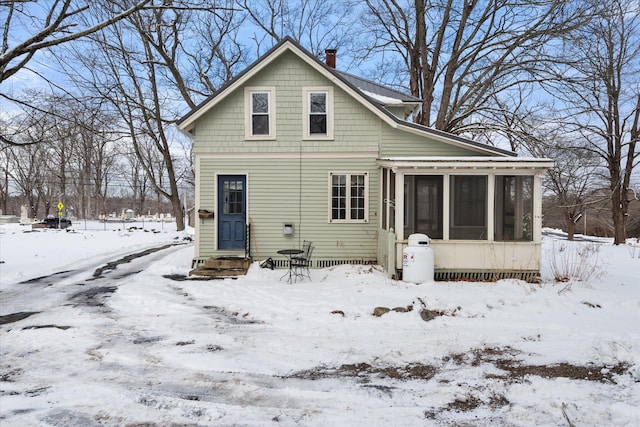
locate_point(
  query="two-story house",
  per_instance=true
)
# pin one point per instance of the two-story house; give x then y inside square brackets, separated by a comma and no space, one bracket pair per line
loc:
[293,149]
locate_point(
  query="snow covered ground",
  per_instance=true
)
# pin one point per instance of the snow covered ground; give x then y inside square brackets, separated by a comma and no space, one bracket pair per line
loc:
[90,337]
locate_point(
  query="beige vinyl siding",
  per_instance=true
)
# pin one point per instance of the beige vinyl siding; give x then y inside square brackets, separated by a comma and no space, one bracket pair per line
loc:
[277,195]
[221,129]
[397,110]
[205,227]
[396,142]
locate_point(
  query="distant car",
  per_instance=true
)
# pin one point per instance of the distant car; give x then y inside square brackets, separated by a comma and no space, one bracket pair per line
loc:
[53,222]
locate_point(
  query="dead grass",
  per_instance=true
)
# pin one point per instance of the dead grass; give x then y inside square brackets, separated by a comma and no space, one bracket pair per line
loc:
[505,359]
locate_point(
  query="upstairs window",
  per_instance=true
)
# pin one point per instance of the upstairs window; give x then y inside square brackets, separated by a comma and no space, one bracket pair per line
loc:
[260,113]
[349,199]
[318,113]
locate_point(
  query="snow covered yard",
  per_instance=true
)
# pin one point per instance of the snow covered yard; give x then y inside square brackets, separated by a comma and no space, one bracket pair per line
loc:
[91,338]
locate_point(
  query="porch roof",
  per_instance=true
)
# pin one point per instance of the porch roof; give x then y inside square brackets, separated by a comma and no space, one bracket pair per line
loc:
[426,162]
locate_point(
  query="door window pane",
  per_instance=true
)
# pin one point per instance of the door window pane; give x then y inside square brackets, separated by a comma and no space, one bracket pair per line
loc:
[233,197]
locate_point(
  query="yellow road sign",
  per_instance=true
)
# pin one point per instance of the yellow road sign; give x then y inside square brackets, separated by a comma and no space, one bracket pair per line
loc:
[60,206]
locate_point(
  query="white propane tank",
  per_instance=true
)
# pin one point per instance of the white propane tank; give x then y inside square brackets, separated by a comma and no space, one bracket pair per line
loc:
[417,260]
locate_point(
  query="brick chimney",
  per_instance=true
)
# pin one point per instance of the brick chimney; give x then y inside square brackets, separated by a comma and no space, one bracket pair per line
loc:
[330,57]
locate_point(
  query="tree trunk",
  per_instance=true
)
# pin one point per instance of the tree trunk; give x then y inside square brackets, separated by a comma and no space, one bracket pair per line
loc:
[619,217]
[571,226]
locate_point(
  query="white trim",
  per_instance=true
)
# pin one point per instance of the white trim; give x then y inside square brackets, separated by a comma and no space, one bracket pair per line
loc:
[491,206]
[399,212]
[289,155]
[537,207]
[198,197]
[452,163]
[446,206]
[306,93]
[216,207]
[248,112]
[348,219]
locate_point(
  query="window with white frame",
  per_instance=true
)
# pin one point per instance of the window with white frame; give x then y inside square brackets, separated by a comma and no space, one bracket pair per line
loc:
[259,113]
[318,114]
[349,199]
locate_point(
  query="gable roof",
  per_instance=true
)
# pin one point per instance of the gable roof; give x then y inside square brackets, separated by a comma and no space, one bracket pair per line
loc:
[370,94]
[377,91]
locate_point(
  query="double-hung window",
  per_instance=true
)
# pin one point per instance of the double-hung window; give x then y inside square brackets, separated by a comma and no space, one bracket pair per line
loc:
[318,113]
[259,113]
[348,200]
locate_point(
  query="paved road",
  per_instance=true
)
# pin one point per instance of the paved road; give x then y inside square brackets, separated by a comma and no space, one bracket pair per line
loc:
[88,285]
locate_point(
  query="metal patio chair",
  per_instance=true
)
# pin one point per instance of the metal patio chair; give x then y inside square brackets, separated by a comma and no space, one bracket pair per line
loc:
[301,263]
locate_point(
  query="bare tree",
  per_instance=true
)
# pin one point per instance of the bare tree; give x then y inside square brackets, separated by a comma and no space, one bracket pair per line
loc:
[460,56]
[28,167]
[574,180]
[214,54]
[599,97]
[316,24]
[5,174]
[147,67]
[95,157]
[31,27]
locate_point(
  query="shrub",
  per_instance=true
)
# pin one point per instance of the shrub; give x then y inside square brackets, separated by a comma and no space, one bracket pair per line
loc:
[575,262]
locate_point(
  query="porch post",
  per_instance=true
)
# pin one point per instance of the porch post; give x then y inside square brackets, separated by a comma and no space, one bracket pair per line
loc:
[399,219]
[386,179]
[537,206]
[491,204]
[446,203]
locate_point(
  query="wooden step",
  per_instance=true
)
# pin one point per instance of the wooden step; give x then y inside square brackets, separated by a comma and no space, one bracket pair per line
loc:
[227,263]
[222,267]
[216,272]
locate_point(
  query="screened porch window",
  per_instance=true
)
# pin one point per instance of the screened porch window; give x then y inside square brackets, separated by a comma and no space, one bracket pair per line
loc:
[514,208]
[424,205]
[468,207]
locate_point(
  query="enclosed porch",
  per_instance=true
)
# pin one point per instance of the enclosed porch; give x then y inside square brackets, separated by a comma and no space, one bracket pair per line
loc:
[483,215]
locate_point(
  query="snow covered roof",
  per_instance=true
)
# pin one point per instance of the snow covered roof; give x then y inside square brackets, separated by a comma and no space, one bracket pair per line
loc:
[378,93]
[466,162]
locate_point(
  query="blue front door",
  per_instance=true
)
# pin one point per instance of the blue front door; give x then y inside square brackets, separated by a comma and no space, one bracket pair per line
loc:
[232,202]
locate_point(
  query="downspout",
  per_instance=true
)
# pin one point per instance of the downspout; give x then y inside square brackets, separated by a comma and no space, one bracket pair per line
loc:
[300,195]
